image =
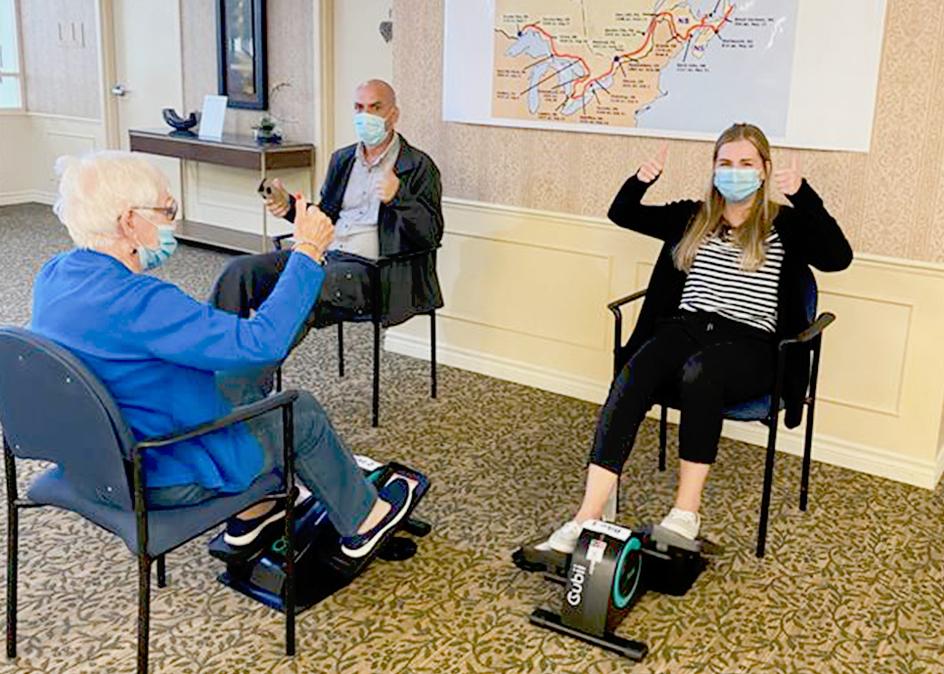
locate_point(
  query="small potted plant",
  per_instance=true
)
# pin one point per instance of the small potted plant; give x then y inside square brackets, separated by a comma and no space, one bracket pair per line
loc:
[266,130]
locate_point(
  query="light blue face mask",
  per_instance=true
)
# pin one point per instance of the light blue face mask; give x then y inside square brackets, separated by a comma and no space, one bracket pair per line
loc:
[737,184]
[155,257]
[370,129]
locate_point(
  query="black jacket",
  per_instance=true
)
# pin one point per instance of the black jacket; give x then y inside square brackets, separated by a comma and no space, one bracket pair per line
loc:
[411,223]
[809,234]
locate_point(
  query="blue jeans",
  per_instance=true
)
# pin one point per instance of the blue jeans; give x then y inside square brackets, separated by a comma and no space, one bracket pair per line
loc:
[322,461]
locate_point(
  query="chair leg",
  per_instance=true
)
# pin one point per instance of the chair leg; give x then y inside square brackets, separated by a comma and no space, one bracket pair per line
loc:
[289,598]
[808,441]
[663,430]
[768,485]
[13,534]
[376,413]
[161,572]
[144,610]
[340,349]
[432,352]
[13,539]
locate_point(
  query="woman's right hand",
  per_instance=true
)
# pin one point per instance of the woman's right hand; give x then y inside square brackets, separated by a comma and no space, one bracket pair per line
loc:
[652,168]
[313,229]
[278,202]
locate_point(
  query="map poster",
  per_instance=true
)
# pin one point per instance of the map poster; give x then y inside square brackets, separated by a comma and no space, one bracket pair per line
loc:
[644,63]
[805,72]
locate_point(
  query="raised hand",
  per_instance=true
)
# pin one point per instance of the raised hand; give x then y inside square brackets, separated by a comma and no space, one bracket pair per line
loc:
[651,168]
[278,202]
[388,185]
[313,229]
[788,180]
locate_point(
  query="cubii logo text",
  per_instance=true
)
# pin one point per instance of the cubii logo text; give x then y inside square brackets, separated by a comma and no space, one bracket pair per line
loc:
[577,579]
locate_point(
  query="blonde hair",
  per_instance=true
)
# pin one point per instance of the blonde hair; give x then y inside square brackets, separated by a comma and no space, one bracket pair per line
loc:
[95,189]
[750,235]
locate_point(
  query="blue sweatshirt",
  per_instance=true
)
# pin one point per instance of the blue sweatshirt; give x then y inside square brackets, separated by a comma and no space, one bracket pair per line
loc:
[157,350]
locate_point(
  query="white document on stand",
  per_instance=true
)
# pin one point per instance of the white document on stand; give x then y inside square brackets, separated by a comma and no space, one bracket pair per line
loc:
[211,119]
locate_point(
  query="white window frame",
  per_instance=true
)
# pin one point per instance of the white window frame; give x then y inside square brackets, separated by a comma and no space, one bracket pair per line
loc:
[18,74]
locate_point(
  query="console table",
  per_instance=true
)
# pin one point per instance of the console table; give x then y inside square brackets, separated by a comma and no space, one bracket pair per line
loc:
[233,150]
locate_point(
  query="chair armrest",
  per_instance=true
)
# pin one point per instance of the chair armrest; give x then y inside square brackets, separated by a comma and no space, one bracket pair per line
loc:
[615,305]
[241,413]
[823,320]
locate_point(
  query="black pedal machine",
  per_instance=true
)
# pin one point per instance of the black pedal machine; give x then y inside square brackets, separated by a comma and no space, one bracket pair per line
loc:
[320,567]
[609,570]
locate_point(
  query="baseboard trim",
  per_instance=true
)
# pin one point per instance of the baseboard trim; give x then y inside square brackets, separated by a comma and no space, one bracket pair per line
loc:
[826,449]
[27,197]
[506,369]
[842,453]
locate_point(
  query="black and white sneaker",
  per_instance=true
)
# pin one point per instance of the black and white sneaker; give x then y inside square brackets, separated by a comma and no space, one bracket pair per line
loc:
[241,533]
[398,492]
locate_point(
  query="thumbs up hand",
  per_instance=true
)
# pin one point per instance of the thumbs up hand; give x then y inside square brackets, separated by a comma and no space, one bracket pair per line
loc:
[788,180]
[652,168]
[388,185]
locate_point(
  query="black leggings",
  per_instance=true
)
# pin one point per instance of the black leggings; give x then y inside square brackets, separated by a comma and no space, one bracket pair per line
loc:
[709,361]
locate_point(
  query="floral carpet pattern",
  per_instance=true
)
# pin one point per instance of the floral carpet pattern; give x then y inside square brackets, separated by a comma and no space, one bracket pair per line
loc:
[855,584]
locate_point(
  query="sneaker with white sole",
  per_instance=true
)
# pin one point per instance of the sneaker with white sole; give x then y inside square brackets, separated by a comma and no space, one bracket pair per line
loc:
[240,533]
[682,522]
[398,492]
[564,539]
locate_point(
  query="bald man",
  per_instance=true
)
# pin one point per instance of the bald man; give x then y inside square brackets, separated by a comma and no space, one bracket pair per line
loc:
[384,197]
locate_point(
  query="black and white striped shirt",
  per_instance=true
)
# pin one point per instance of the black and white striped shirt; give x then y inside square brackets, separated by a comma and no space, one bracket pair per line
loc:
[717,283]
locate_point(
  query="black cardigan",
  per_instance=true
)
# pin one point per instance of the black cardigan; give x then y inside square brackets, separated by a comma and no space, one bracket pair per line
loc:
[810,236]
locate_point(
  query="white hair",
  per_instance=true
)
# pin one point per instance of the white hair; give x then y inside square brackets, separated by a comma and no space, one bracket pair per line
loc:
[95,189]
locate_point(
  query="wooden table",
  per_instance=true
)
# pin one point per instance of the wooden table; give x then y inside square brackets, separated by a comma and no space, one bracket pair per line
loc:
[234,151]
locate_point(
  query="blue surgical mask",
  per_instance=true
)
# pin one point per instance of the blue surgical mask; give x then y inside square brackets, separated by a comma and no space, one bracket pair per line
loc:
[737,184]
[166,245]
[370,129]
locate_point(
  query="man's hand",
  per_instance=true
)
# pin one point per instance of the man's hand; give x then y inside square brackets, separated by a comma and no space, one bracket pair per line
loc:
[278,202]
[652,168]
[313,229]
[388,185]
[788,180]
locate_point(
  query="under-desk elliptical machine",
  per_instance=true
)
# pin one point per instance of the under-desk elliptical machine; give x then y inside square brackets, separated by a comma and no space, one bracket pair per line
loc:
[609,570]
[320,568]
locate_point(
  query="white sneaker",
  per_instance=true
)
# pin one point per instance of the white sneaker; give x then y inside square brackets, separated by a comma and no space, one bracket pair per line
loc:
[682,522]
[564,539]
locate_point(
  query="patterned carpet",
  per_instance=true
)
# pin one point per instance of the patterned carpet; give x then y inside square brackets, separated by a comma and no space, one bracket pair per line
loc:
[856,584]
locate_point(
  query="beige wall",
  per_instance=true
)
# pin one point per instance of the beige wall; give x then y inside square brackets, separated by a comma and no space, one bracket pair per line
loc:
[60,57]
[291,60]
[889,201]
[362,54]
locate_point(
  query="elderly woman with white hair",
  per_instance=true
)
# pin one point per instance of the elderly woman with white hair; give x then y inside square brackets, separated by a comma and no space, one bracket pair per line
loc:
[171,361]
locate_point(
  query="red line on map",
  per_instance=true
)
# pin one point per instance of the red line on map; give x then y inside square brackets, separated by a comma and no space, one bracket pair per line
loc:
[662,16]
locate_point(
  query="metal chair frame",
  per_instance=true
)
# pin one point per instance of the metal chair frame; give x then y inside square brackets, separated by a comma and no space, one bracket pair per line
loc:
[375,266]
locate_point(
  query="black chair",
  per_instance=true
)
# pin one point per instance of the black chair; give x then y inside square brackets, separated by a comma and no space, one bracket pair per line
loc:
[375,267]
[765,409]
[54,409]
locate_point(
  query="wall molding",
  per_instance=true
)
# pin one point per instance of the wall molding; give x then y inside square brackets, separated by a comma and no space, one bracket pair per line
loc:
[881,261]
[27,197]
[507,369]
[829,450]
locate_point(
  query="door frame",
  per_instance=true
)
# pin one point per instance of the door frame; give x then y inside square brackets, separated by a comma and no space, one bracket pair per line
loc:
[108,67]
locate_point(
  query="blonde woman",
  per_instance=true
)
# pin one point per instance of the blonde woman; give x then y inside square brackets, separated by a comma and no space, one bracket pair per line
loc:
[714,311]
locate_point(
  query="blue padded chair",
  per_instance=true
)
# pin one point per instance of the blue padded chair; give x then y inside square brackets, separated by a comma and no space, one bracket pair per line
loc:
[54,409]
[761,409]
